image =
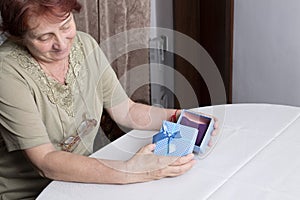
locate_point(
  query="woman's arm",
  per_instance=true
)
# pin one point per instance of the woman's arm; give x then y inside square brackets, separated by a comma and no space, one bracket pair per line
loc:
[144,166]
[140,116]
[144,117]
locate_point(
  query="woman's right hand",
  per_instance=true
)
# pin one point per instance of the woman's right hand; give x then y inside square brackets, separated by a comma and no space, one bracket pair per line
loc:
[146,166]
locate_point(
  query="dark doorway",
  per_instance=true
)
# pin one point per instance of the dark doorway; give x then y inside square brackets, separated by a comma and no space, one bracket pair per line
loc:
[210,23]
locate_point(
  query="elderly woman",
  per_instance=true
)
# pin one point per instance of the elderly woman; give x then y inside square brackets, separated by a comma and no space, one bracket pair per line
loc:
[55,82]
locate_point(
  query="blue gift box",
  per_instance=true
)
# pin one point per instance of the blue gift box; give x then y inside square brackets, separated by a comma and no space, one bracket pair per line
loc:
[203,123]
[174,139]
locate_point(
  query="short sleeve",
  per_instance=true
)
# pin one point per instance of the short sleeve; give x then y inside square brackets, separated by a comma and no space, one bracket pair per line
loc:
[21,124]
[113,92]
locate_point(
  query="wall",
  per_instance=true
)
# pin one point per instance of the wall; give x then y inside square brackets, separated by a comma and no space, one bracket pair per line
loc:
[266,62]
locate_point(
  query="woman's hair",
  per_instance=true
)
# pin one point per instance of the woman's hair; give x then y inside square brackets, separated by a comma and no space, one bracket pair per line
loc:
[16,13]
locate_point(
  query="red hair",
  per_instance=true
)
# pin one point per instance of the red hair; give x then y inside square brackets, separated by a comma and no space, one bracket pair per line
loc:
[15,13]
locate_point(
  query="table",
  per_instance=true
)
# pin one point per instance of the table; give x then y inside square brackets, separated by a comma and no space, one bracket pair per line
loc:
[256,156]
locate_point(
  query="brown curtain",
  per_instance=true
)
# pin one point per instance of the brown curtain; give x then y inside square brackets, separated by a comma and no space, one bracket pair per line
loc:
[105,19]
[88,19]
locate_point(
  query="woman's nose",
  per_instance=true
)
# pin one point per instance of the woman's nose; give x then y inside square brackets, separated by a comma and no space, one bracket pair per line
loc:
[60,42]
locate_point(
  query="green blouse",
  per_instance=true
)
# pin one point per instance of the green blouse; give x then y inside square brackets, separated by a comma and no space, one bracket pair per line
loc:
[36,109]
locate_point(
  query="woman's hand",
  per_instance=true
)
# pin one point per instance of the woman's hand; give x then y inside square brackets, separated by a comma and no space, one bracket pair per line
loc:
[214,132]
[146,166]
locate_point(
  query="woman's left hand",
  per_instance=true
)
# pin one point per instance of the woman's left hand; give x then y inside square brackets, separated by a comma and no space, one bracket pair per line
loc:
[214,132]
[146,166]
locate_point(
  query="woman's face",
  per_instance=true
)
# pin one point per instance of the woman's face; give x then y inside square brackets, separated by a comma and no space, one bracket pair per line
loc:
[48,41]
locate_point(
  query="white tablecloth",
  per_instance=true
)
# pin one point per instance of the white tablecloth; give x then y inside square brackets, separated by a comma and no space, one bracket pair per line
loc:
[256,157]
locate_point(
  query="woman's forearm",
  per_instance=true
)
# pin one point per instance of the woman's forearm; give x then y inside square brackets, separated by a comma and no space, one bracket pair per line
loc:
[140,116]
[64,166]
[147,117]
[143,166]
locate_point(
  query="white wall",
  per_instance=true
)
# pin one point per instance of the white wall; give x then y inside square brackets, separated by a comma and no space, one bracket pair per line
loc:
[266,63]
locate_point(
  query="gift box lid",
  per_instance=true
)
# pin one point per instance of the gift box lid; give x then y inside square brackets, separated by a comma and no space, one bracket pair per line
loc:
[174,139]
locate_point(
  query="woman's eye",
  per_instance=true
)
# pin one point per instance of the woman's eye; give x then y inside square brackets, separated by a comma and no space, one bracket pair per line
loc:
[65,27]
[44,38]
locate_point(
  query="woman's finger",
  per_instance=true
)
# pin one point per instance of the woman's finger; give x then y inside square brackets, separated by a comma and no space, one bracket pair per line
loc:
[147,149]
[210,143]
[216,124]
[178,170]
[182,160]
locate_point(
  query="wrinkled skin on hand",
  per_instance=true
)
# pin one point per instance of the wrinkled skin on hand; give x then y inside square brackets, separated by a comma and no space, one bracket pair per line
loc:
[157,167]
